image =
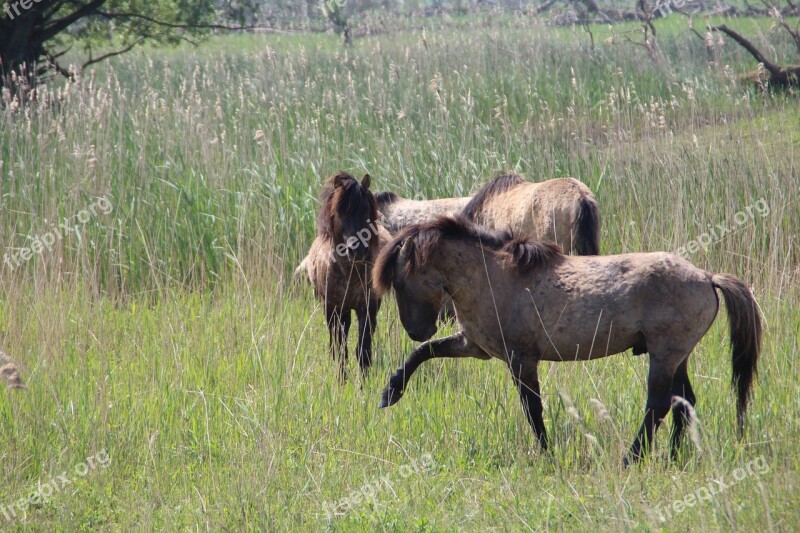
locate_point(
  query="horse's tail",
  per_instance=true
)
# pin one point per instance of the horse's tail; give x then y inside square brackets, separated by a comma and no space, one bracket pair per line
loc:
[586,226]
[745,332]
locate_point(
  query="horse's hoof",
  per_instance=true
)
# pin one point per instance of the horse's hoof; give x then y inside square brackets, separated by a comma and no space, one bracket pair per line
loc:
[390,396]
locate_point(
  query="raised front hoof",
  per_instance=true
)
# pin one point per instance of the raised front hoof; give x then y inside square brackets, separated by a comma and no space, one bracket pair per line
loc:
[390,396]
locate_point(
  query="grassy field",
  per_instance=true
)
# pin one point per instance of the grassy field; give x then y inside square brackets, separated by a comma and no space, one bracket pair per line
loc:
[176,380]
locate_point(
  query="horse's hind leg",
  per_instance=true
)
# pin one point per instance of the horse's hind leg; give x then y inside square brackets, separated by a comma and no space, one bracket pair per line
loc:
[367,316]
[527,379]
[680,411]
[338,326]
[659,399]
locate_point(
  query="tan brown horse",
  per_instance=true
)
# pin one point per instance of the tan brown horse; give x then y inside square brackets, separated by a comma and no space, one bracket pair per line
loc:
[339,264]
[522,301]
[561,210]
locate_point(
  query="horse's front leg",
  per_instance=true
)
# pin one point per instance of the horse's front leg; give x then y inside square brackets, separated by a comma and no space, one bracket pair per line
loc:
[453,346]
[367,316]
[526,376]
[338,326]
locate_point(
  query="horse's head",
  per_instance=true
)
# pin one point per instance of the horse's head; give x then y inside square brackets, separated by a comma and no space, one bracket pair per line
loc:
[349,215]
[419,289]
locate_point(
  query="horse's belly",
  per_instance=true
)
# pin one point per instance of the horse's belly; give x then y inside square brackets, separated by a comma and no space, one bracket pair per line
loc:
[584,347]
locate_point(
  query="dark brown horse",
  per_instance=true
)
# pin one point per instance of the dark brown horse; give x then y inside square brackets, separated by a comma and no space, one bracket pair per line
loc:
[522,301]
[339,264]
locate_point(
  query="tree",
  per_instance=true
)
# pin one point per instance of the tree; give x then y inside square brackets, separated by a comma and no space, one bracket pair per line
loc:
[34,34]
[777,76]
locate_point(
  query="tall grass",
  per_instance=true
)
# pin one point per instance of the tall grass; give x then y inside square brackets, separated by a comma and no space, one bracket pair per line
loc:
[213,159]
[165,332]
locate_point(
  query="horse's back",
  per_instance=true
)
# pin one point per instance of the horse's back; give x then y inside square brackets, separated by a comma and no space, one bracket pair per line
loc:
[405,212]
[649,273]
[607,304]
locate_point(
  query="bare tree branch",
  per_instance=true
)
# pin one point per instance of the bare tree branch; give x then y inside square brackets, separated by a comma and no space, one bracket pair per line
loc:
[62,24]
[747,45]
[121,51]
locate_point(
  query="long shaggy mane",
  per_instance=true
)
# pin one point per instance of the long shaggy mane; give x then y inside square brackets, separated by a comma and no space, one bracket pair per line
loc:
[498,185]
[524,254]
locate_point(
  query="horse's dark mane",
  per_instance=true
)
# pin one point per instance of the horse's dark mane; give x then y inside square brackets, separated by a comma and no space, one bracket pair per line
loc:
[342,194]
[523,253]
[498,185]
[385,198]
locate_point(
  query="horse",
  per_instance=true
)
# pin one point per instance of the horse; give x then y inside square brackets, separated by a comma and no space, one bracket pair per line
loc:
[524,301]
[339,264]
[399,212]
[561,210]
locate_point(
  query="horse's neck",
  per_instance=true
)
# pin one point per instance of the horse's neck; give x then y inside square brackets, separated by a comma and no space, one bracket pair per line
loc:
[467,271]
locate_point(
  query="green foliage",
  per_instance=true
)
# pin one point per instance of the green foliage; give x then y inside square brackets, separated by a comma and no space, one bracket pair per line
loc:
[34,34]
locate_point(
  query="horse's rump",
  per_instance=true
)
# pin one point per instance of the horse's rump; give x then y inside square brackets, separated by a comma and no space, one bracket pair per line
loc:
[561,210]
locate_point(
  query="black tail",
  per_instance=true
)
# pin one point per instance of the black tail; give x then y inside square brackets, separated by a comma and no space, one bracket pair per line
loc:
[745,325]
[586,227]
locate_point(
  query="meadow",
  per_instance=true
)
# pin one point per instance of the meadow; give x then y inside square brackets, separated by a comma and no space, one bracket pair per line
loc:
[165,335]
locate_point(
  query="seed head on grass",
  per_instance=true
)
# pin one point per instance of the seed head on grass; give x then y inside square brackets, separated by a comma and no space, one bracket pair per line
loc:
[602,412]
[9,372]
[570,407]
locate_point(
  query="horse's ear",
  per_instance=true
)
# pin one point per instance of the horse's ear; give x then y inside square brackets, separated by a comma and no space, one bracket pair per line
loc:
[407,248]
[365,181]
[337,180]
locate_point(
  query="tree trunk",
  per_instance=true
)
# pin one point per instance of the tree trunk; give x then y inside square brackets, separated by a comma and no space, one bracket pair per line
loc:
[782,77]
[19,50]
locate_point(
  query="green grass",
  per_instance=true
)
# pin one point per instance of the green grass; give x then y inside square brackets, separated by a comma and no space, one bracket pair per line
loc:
[167,333]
